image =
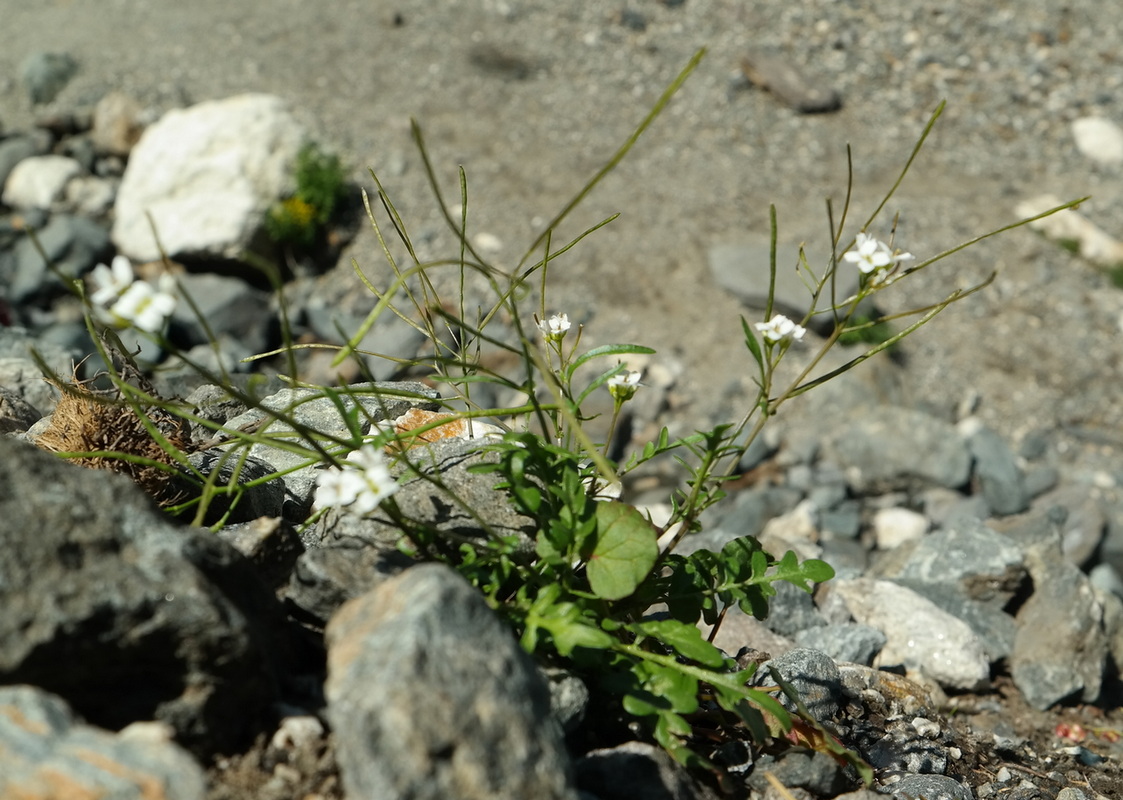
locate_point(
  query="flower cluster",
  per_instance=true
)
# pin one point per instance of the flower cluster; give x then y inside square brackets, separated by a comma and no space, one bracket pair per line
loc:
[125,302]
[359,486]
[780,329]
[555,328]
[874,258]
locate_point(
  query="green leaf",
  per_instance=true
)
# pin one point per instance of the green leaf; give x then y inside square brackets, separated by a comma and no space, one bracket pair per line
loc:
[753,345]
[685,639]
[606,350]
[568,635]
[673,685]
[625,552]
[791,570]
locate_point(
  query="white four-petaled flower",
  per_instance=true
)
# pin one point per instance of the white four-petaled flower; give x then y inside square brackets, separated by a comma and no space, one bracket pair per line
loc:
[780,328]
[555,328]
[125,302]
[871,255]
[623,385]
[359,486]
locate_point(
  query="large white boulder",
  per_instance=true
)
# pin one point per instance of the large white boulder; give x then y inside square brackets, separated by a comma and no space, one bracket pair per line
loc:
[206,175]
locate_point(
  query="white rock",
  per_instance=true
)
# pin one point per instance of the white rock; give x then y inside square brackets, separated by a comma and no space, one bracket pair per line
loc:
[206,175]
[38,181]
[893,527]
[1070,226]
[91,195]
[1099,139]
[919,635]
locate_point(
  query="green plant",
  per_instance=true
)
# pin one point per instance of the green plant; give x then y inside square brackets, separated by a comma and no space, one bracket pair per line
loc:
[320,186]
[584,595]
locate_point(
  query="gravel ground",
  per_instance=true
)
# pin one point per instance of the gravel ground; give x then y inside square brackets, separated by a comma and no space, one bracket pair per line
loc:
[532,97]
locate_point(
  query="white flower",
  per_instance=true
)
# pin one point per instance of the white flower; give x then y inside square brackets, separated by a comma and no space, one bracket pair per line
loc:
[111,282]
[359,486]
[143,307]
[780,328]
[623,385]
[871,255]
[555,328]
[125,302]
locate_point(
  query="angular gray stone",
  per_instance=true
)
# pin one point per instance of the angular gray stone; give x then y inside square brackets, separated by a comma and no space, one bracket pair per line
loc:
[997,472]
[980,562]
[1060,650]
[126,615]
[919,635]
[898,446]
[46,752]
[637,770]
[73,245]
[345,567]
[857,644]
[228,305]
[431,697]
[930,787]
[814,676]
[16,148]
[206,175]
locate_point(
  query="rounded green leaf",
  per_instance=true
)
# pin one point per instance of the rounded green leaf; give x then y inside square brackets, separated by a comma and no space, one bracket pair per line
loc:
[625,552]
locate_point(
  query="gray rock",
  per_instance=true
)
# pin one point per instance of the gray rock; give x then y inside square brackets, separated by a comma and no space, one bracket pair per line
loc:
[788,83]
[1000,480]
[637,769]
[313,411]
[430,696]
[898,446]
[38,181]
[791,609]
[127,616]
[229,306]
[206,175]
[748,515]
[261,492]
[1060,650]
[980,562]
[20,373]
[1098,139]
[996,629]
[814,676]
[390,336]
[930,787]
[919,635]
[117,124]
[444,509]
[16,414]
[857,644]
[816,772]
[569,697]
[270,543]
[1084,525]
[73,245]
[44,75]
[45,751]
[325,577]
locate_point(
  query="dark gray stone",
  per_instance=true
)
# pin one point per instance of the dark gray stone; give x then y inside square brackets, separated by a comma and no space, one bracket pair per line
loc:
[900,745]
[792,610]
[262,493]
[1085,522]
[813,771]
[1060,650]
[229,305]
[16,414]
[430,696]
[634,770]
[73,245]
[270,543]
[814,676]
[44,75]
[16,148]
[929,787]
[327,576]
[45,751]
[897,447]
[980,562]
[857,644]
[127,616]
[996,629]
[748,515]
[997,472]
